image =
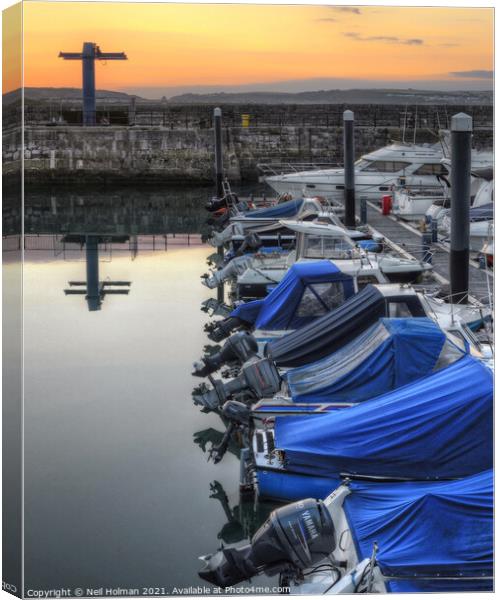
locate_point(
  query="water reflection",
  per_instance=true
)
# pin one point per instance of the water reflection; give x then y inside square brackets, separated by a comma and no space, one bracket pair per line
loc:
[93,289]
[243,519]
[129,210]
[116,493]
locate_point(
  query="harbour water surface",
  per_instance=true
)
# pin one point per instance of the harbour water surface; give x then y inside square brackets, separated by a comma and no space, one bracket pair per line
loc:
[117,483]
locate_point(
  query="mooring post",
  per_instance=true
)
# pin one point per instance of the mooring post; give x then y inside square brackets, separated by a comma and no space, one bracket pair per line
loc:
[363,211]
[461,134]
[219,192]
[349,199]
[218,152]
[434,230]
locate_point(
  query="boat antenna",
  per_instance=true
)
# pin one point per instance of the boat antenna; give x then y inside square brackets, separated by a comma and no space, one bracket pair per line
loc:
[415,126]
[404,123]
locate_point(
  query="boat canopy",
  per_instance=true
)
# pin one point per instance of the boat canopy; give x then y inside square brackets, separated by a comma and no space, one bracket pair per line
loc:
[308,291]
[390,354]
[482,213]
[438,427]
[328,333]
[425,529]
[289,208]
[315,228]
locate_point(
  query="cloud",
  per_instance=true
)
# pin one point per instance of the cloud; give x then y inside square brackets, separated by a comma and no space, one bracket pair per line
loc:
[474,74]
[449,45]
[388,39]
[327,20]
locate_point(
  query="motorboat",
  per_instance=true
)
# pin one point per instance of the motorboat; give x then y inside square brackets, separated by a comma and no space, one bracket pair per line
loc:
[426,430]
[316,241]
[276,233]
[269,267]
[324,335]
[260,362]
[372,537]
[328,333]
[412,204]
[307,291]
[388,355]
[482,193]
[295,209]
[481,217]
[420,165]
[409,537]
[375,173]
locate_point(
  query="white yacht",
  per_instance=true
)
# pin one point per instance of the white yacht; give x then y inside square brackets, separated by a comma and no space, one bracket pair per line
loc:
[375,173]
[414,203]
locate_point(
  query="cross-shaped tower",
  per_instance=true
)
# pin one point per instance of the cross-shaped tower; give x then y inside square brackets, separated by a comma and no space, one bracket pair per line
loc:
[90,53]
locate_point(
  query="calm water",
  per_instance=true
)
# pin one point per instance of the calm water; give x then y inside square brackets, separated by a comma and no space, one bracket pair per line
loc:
[117,484]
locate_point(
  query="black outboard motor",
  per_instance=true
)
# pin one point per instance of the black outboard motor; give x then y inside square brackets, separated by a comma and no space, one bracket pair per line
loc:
[293,538]
[259,378]
[238,415]
[240,347]
[216,203]
[219,330]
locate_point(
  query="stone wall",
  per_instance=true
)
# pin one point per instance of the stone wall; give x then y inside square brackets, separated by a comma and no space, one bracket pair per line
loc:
[157,154]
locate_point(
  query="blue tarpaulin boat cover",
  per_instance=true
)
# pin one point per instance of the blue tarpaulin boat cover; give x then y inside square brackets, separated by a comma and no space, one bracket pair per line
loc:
[328,333]
[308,291]
[425,529]
[390,354]
[278,211]
[438,427]
[422,585]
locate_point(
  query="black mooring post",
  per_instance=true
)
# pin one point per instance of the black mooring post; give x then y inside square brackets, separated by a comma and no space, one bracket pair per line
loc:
[218,152]
[461,134]
[349,199]
[92,260]
[219,192]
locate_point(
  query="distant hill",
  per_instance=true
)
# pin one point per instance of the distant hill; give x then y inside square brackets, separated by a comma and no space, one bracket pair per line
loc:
[36,93]
[354,96]
[359,96]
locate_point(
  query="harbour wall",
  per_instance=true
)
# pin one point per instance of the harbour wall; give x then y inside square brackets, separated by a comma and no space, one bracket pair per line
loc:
[182,153]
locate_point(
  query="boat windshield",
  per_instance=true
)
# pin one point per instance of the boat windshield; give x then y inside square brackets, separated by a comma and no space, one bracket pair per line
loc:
[362,163]
[329,247]
[385,166]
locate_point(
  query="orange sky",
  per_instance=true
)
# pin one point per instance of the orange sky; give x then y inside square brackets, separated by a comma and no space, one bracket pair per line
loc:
[182,44]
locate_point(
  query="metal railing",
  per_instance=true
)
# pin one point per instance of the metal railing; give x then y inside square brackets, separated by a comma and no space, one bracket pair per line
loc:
[267,169]
[242,116]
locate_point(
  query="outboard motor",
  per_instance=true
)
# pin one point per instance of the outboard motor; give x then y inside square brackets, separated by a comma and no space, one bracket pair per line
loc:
[240,347]
[216,203]
[293,538]
[259,378]
[219,330]
[238,415]
[251,243]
